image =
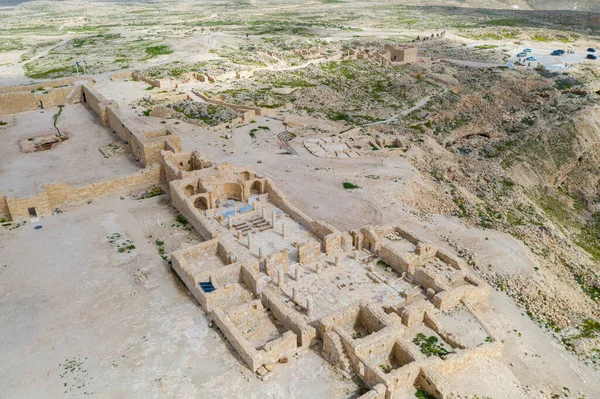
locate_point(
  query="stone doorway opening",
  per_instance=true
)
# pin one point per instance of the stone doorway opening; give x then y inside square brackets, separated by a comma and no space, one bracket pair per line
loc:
[33,214]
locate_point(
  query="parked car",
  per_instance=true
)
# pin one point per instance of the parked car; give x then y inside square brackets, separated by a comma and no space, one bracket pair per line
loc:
[592,57]
[527,50]
[592,50]
[532,58]
[521,55]
[558,52]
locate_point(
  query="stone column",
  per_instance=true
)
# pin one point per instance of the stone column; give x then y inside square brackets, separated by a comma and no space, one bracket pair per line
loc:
[356,255]
[229,223]
[309,307]
[319,268]
[280,278]
[262,213]
[273,218]
[338,261]
[250,241]
[283,229]
[297,272]
[261,254]
[239,235]
[294,295]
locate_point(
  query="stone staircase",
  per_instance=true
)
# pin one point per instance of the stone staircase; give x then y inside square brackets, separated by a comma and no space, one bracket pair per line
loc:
[335,351]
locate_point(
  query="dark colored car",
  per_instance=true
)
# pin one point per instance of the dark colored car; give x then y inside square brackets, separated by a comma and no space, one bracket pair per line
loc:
[592,57]
[558,52]
[592,50]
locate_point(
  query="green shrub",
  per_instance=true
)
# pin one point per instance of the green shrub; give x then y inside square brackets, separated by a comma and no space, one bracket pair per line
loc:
[350,186]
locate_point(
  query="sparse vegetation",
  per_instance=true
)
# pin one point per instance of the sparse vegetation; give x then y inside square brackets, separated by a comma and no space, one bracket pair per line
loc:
[350,186]
[430,346]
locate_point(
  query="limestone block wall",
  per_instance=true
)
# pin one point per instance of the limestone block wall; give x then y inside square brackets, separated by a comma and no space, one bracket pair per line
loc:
[292,320]
[337,242]
[462,359]
[474,292]
[114,117]
[428,281]
[309,252]
[12,103]
[151,148]
[57,195]
[250,275]
[372,318]
[18,207]
[403,377]
[97,103]
[434,383]
[450,259]
[276,261]
[414,313]
[63,194]
[121,75]
[378,392]
[318,228]
[246,351]
[15,102]
[46,84]
[179,264]
[370,240]
[180,165]
[54,97]
[193,215]
[271,352]
[4,207]
[344,317]
[397,261]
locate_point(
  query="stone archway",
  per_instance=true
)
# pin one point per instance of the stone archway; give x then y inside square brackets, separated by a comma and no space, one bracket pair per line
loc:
[189,190]
[227,191]
[201,203]
[256,188]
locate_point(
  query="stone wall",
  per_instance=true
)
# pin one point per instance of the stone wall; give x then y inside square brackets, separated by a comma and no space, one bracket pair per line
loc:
[292,320]
[194,216]
[318,228]
[246,351]
[46,84]
[60,194]
[4,207]
[337,242]
[15,102]
[309,252]
[397,261]
[475,291]
[277,261]
[271,352]
[97,103]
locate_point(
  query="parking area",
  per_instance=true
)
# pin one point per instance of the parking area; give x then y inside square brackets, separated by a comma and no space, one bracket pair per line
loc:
[543,56]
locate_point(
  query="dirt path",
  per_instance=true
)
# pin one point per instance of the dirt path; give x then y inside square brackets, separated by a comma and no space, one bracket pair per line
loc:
[417,106]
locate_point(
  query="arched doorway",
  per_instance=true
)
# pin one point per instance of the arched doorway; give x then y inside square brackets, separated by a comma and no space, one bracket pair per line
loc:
[189,190]
[256,188]
[201,203]
[229,191]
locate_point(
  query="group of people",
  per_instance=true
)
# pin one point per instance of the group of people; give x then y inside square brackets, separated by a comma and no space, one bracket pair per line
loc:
[433,36]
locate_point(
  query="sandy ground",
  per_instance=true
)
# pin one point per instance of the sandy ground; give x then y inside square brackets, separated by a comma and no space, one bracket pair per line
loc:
[81,319]
[21,173]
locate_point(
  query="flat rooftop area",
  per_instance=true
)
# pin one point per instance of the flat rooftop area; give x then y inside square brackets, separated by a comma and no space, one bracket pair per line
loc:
[78,316]
[76,161]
